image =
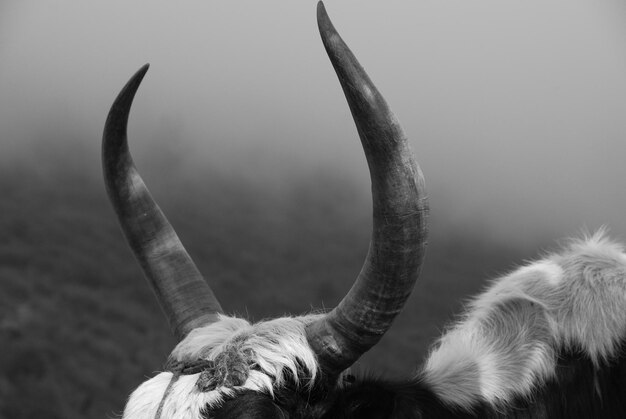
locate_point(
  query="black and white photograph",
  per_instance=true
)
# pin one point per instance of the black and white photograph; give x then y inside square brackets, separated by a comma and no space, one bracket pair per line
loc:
[312,209]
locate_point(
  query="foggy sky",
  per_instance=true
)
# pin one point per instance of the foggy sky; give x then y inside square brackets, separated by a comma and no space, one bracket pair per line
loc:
[516,110]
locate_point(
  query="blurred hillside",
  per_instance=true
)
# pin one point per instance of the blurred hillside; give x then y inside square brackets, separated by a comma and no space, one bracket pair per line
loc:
[80,328]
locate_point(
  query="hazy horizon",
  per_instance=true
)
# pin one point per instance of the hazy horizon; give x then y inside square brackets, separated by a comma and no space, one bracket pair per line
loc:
[515,110]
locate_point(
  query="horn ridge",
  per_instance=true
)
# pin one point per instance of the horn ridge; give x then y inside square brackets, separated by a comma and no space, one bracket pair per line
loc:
[184,295]
[400,209]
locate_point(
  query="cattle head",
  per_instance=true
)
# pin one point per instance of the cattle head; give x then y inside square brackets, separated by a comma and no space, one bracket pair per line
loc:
[546,340]
[226,367]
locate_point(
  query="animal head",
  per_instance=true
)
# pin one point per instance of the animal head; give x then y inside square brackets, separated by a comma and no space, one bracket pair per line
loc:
[551,324]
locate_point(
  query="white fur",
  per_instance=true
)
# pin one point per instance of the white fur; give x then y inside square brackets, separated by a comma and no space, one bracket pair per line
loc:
[275,346]
[184,401]
[505,346]
[508,341]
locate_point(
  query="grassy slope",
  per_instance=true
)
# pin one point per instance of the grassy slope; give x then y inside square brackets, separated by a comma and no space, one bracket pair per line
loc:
[79,328]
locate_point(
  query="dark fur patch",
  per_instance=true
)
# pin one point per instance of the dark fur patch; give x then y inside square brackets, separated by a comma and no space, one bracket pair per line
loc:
[247,405]
[579,390]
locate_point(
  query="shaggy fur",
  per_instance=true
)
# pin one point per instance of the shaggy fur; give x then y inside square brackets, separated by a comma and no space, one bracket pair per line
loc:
[555,326]
[274,351]
[507,343]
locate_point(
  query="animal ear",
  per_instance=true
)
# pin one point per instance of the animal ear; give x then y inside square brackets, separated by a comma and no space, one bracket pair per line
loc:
[184,295]
[400,209]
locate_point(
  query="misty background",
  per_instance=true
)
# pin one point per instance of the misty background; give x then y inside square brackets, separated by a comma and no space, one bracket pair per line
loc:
[515,111]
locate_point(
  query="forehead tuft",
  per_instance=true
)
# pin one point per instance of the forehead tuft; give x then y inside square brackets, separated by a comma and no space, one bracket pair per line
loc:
[273,353]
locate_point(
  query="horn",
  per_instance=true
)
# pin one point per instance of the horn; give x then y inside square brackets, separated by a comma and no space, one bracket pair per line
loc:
[400,210]
[184,295]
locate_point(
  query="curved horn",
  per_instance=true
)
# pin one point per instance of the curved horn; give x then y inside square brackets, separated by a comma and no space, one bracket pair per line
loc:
[400,208]
[184,295]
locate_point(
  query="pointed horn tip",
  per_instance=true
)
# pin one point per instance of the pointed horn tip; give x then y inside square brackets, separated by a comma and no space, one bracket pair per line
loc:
[139,75]
[133,84]
[125,97]
[115,126]
[323,20]
[143,70]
